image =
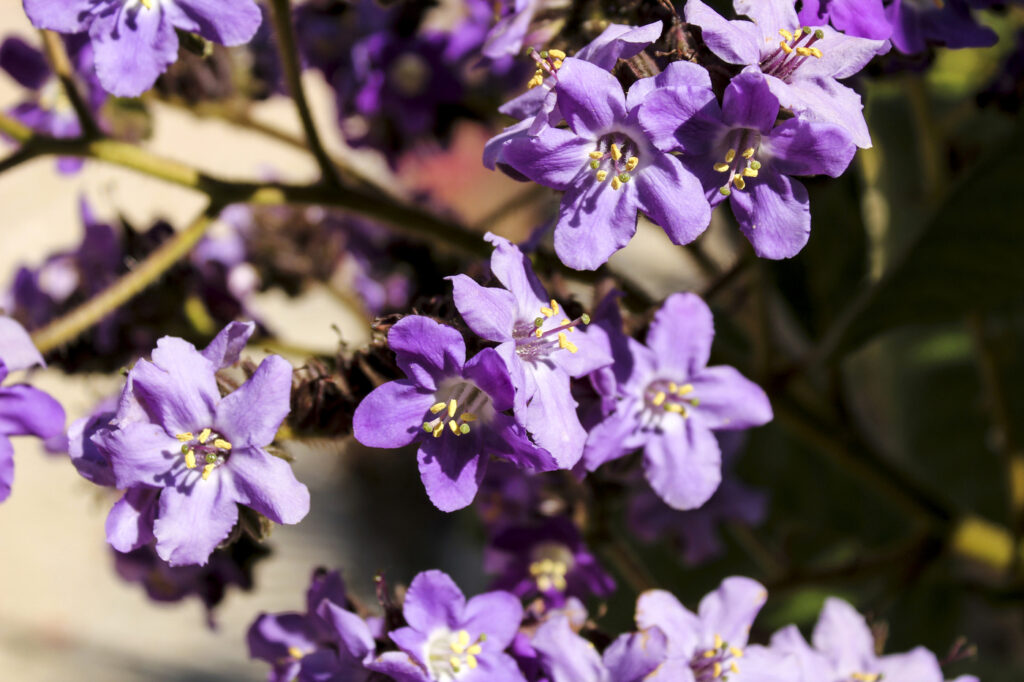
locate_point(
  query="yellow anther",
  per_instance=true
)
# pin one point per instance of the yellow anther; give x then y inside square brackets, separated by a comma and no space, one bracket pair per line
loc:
[803,51]
[815,52]
[437,407]
[204,435]
[675,408]
[554,306]
[468,417]
[565,344]
[750,172]
[452,407]
[788,35]
[735,669]
[659,399]
[557,54]
[455,428]
[717,670]
[632,163]
[560,583]
[547,312]
[207,470]
[685,388]
[185,437]
[455,663]
[474,650]
[616,152]
[710,653]
[785,47]
[438,430]
[537,79]
[736,652]
[596,154]
[721,167]
[866,677]
[295,652]
[672,387]
[748,152]
[557,64]
[148,4]
[471,661]
[190,459]
[539,333]
[797,33]
[730,156]
[616,183]
[718,641]
[544,583]
[601,175]
[221,443]
[740,183]
[463,639]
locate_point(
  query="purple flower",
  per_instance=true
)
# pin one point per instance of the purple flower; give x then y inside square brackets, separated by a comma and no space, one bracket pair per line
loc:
[608,169]
[858,18]
[549,559]
[135,40]
[672,403]
[697,530]
[537,108]
[739,153]
[801,66]
[49,110]
[515,27]
[24,410]
[711,645]
[916,23]
[453,408]
[566,657]
[448,637]
[327,642]
[844,649]
[540,346]
[177,445]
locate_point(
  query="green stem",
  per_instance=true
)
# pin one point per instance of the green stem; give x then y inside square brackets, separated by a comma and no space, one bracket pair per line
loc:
[281,11]
[58,58]
[66,328]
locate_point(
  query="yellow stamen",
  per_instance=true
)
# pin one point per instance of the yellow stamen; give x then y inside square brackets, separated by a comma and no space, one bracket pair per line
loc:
[471,661]
[786,48]
[452,407]
[539,333]
[557,64]
[659,399]
[734,668]
[675,408]
[748,152]
[601,175]
[565,344]
[788,35]
[554,306]
[438,430]
[190,459]
[631,164]
[672,387]
[557,54]
[616,152]
[718,641]
[736,652]
[740,183]
[436,407]
[730,156]
[455,428]
[148,4]
[721,167]
[207,470]
[797,33]
[803,51]
[537,79]
[474,650]
[221,443]
[293,651]
[547,312]
[717,670]
[616,183]
[750,173]
[455,663]
[468,417]
[185,437]
[685,388]
[710,653]
[204,435]
[596,155]
[815,52]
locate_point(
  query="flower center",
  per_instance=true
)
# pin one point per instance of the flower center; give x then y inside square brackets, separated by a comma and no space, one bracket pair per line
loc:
[148,4]
[794,49]
[551,562]
[615,156]
[739,165]
[866,677]
[465,403]
[410,74]
[449,654]
[716,663]
[548,62]
[208,449]
[662,396]
[538,340]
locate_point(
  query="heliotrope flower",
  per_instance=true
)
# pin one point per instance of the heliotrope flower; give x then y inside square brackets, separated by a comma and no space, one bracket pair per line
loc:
[802,67]
[844,649]
[608,169]
[24,410]
[175,437]
[452,407]
[858,18]
[542,348]
[48,110]
[711,645]
[739,153]
[135,40]
[548,559]
[672,403]
[448,638]
[916,23]
[326,642]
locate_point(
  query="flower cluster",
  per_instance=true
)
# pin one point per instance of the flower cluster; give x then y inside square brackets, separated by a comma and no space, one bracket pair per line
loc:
[185,456]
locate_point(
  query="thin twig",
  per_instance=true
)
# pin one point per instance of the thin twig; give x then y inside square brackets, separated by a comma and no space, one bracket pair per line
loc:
[281,11]
[58,58]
